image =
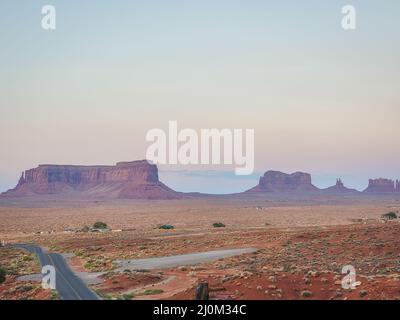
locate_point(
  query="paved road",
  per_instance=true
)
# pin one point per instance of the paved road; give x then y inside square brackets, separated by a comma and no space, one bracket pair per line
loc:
[68,285]
[180,260]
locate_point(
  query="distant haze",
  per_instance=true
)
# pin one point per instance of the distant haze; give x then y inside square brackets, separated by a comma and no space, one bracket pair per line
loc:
[321,100]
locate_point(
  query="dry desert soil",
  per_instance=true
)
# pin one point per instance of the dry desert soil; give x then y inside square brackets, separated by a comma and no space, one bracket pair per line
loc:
[300,247]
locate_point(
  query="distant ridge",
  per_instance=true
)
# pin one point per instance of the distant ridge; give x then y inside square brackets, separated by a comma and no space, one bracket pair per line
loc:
[300,182]
[139,180]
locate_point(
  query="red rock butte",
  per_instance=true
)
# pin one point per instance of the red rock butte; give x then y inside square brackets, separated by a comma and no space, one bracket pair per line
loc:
[276,181]
[130,180]
[382,186]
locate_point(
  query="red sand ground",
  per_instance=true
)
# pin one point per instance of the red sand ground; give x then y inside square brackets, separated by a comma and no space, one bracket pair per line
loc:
[301,250]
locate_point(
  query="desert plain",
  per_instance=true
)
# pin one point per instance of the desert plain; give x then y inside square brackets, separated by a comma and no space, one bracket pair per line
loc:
[300,246]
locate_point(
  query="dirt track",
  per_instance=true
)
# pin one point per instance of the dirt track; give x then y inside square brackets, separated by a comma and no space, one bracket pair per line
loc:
[180,260]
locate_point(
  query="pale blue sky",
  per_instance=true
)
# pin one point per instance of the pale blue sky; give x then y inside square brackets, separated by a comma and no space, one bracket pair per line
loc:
[320,99]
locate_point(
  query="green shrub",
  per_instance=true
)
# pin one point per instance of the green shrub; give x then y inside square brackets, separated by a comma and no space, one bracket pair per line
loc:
[54,295]
[166,227]
[27,258]
[79,253]
[218,225]
[2,275]
[100,225]
[306,294]
[127,296]
[25,288]
[152,292]
[389,216]
[89,266]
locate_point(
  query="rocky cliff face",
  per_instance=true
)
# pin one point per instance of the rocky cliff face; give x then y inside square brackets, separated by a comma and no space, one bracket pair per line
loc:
[137,179]
[380,186]
[397,185]
[275,181]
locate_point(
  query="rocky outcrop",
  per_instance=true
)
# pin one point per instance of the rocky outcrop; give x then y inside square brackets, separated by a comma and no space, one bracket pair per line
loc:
[380,186]
[275,181]
[398,186]
[339,187]
[136,180]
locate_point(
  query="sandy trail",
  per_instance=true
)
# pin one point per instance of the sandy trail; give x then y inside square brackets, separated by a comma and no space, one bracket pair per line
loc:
[179,260]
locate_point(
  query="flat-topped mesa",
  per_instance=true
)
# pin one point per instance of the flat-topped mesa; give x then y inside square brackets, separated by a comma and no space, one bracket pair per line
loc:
[275,181]
[339,187]
[380,185]
[137,179]
[136,171]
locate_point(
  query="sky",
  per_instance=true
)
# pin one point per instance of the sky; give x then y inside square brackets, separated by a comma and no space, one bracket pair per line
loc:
[320,99]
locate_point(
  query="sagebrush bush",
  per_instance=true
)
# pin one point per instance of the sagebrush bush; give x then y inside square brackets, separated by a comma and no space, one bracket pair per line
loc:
[389,216]
[100,225]
[218,225]
[166,227]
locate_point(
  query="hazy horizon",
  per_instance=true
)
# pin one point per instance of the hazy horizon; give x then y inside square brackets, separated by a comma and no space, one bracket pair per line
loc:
[226,182]
[320,99]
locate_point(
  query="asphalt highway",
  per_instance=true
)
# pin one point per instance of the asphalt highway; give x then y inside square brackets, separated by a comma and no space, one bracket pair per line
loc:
[68,285]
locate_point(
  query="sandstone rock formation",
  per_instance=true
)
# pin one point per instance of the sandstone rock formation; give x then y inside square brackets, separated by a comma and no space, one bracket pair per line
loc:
[339,187]
[133,180]
[380,186]
[275,181]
